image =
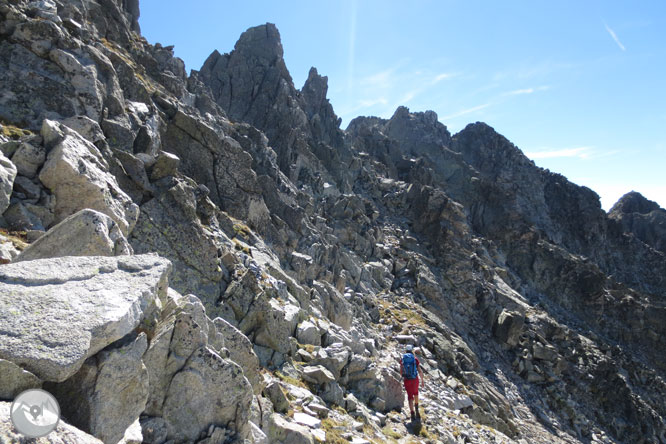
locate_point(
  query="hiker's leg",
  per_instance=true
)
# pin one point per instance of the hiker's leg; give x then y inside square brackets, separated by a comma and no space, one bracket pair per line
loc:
[411,405]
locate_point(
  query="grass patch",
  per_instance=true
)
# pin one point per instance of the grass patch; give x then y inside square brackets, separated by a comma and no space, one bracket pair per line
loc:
[242,230]
[139,71]
[307,347]
[333,434]
[13,132]
[411,316]
[340,410]
[238,246]
[391,433]
[424,433]
[18,238]
[290,380]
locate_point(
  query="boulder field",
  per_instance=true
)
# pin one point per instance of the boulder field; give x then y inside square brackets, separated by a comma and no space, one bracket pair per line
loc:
[210,258]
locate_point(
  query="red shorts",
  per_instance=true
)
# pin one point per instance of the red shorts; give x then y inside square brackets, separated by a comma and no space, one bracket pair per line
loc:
[412,387]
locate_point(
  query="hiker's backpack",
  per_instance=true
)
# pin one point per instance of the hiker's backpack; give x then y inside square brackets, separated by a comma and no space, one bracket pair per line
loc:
[409,366]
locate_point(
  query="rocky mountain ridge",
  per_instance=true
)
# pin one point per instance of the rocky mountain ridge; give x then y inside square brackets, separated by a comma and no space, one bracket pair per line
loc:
[278,264]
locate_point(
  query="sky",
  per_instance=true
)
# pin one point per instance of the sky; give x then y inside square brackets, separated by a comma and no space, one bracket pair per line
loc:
[579,87]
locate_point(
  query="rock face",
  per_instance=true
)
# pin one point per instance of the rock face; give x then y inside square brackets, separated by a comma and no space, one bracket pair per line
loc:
[252,84]
[86,233]
[303,257]
[643,218]
[78,175]
[15,380]
[108,295]
[194,399]
[7,176]
[63,434]
[109,392]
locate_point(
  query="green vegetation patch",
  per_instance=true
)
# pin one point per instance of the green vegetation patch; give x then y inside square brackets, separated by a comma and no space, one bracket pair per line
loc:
[18,238]
[333,431]
[290,380]
[13,132]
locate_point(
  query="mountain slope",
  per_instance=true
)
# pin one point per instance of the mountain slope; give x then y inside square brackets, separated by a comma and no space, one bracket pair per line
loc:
[309,255]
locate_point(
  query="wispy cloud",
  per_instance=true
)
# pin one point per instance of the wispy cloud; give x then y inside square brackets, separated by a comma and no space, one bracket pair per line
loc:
[409,95]
[443,76]
[582,152]
[530,70]
[519,92]
[614,36]
[381,79]
[367,103]
[465,111]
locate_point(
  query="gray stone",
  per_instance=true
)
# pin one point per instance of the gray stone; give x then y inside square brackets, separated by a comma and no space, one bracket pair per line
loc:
[170,226]
[156,363]
[195,401]
[154,430]
[321,410]
[334,358]
[43,214]
[8,148]
[274,392]
[83,79]
[335,306]
[281,431]
[257,435]
[241,352]
[28,159]
[78,175]
[545,352]
[81,304]
[350,403]
[86,127]
[332,393]
[317,374]
[7,175]
[133,434]
[278,326]
[304,355]
[391,390]
[165,165]
[86,233]
[63,433]
[19,218]
[7,250]
[307,420]
[308,333]
[508,326]
[405,339]
[15,380]
[175,339]
[107,395]
[28,188]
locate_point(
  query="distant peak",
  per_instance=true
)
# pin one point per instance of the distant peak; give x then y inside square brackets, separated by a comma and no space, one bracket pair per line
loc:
[316,83]
[478,127]
[402,112]
[261,41]
[634,202]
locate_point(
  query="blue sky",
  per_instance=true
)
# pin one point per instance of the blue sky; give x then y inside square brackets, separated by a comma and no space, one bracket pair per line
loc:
[580,87]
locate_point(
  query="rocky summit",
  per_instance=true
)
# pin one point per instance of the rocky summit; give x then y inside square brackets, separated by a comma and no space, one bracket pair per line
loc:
[210,258]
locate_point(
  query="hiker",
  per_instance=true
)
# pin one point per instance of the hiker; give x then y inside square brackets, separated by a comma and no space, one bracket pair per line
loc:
[410,369]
